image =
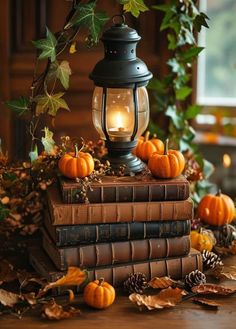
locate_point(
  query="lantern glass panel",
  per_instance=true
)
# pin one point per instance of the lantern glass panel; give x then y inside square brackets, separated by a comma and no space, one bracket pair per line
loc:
[120,112]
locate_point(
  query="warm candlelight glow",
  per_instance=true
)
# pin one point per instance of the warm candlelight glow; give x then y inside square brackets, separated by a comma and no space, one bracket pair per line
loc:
[226,160]
[119,121]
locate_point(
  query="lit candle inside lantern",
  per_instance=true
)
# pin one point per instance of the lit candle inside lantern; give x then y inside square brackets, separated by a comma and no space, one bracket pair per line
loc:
[119,123]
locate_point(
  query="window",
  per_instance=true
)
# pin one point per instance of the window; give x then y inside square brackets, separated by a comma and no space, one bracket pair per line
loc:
[216,74]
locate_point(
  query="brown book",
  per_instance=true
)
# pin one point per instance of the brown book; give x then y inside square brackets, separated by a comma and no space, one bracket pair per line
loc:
[138,188]
[102,254]
[70,214]
[176,268]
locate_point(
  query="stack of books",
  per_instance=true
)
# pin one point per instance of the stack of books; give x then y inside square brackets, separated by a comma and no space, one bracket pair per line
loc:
[130,224]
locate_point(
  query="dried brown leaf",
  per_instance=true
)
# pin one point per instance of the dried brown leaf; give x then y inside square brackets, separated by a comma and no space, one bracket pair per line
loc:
[166,298]
[7,272]
[210,288]
[161,283]
[30,298]
[53,311]
[74,277]
[71,295]
[206,302]
[223,272]
[8,298]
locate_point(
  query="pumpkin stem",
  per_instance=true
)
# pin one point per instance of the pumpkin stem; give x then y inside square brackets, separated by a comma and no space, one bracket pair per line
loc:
[100,281]
[154,135]
[146,136]
[76,151]
[219,192]
[166,146]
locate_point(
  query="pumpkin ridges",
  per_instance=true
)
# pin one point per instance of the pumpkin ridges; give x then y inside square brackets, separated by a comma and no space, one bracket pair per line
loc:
[173,165]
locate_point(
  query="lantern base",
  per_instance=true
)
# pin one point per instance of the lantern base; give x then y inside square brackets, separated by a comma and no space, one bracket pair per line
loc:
[119,155]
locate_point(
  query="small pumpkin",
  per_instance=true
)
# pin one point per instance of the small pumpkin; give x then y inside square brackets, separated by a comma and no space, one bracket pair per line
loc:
[216,210]
[168,165]
[78,164]
[202,240]
[146,147]
[99,294]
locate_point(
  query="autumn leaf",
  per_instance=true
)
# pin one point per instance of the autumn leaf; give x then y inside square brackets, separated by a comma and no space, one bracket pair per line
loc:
[30,298]
[206,302]
[166,298]
[73,277]
[7,272]
[47,46]
[161,283]
[60,71]
[231,250]
[86,16]
[210,288]
[134,6]
[20,106]
[50,104]
[8,298]
[48,141]
[224,272]
[53,311]
[73,48]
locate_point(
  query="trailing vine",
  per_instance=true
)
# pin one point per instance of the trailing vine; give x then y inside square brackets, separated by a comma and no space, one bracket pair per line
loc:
[182,20]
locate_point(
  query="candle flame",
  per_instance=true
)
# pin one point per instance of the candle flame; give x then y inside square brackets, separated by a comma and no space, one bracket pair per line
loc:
[119,121]
[226,160]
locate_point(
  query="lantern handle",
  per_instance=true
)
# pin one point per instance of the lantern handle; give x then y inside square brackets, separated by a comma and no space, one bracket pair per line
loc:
[122,19]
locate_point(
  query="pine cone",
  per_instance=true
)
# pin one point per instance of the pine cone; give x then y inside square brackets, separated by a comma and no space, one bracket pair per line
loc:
[210,260]
[225,235]
[194,278]
[136,282]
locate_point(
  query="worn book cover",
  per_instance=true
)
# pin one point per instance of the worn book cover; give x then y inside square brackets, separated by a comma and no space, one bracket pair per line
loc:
[174,267]
[71,235]
[98,213]
[111,253]
[138,188]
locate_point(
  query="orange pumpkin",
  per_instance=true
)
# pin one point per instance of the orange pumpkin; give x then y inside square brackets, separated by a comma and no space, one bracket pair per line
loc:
[78,164]
[168,165]
[202,240]
[216,209]
[146,147]
[99,294]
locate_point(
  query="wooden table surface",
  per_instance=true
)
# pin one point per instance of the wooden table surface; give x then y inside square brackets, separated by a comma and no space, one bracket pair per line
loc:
[123,314]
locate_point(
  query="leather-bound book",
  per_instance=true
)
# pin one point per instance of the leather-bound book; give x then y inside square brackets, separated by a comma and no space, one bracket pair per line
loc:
[98,213]
[112,253]
[138,188]
[71,235]
[174,267]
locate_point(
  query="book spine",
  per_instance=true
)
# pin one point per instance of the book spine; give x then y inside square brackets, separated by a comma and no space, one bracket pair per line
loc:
[65,214]
[116,252]
[83,234]
[106,194]
[176,268]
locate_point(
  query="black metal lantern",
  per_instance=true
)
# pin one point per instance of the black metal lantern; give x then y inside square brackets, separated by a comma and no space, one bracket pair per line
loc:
[120,99]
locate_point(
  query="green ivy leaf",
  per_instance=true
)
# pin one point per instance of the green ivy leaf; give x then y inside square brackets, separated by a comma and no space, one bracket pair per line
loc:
[176,66]
[34,154]
[175,117]
[191,53]
[158,85]
[10,176]
[19,106]
[192,111]
[47,46]
[50,104]
[4,212]
[172,41]
[48,141]
[135,7]
[183,93]
[162,7]
[85,15]
[200,20]
[208,168]
[61,72]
